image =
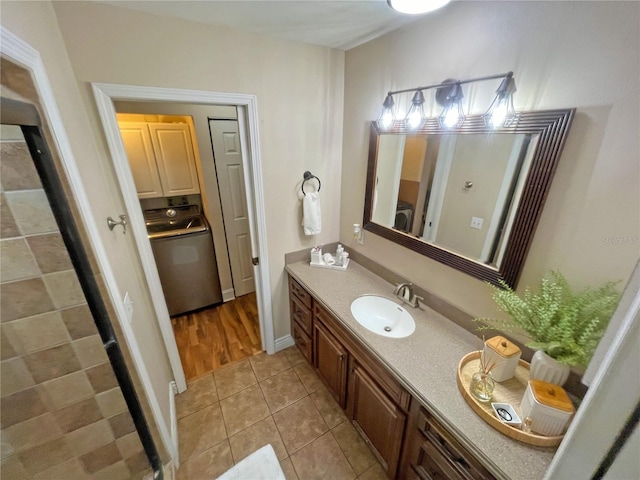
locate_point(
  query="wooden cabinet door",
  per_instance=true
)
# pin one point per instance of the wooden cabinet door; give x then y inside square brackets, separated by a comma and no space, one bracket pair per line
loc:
[377,418]
[330,360]
[142,160]
[175,158]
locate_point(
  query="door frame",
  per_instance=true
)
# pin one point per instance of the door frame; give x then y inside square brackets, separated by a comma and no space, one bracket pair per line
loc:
[105,94]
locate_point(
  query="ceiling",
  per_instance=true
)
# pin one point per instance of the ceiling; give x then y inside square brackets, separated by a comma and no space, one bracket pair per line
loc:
[340,24]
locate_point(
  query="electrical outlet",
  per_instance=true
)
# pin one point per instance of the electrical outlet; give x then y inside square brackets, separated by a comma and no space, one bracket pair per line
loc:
[476,222]
[128,306]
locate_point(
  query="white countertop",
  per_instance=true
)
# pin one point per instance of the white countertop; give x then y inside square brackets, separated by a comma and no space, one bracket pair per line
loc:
[425,363]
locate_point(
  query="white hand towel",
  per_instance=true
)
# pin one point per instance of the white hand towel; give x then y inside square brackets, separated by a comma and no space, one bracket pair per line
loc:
[311,217]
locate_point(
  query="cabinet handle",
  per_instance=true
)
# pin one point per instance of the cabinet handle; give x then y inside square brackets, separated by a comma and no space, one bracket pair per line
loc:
[452,456]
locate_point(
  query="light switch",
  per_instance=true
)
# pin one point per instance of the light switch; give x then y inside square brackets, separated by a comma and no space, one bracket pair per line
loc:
[476,222]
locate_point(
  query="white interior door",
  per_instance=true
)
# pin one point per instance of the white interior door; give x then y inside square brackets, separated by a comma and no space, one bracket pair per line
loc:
[225,139]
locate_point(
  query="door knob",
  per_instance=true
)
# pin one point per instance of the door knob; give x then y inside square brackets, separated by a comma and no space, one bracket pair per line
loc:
[123,221]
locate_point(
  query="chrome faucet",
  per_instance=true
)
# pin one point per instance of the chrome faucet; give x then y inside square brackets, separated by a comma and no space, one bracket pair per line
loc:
[404,291]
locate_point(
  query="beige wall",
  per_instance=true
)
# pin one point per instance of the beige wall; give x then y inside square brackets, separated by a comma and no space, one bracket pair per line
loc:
[564,54]
[35,23]
[299,90]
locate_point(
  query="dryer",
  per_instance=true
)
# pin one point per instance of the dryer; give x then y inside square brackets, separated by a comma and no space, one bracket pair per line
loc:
[404,216]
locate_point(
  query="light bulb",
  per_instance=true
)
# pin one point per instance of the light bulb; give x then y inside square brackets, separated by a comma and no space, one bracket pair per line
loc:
[499,114]
[451,117]
[387,115]
[415,115]
[386,119]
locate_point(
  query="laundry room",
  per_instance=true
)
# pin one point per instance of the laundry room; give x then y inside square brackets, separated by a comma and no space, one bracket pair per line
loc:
[186,162]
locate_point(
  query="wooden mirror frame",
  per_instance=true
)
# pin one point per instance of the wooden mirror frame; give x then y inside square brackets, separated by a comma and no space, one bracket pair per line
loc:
[551,126]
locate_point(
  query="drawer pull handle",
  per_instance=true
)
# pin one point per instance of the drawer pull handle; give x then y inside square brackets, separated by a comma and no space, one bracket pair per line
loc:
[452,456]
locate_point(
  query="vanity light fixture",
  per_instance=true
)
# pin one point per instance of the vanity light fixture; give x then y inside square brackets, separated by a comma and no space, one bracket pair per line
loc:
[415,7]
[449,95]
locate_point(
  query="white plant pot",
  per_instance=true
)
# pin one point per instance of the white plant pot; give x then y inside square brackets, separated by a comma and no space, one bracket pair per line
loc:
[545,368]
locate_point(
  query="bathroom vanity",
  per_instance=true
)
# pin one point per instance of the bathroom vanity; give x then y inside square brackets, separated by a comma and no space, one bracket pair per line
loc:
[401,393]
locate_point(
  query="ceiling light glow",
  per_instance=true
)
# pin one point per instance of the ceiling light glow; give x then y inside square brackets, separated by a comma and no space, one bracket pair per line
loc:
[414,7]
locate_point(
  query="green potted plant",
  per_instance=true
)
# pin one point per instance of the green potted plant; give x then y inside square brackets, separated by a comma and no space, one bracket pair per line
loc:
[564,327]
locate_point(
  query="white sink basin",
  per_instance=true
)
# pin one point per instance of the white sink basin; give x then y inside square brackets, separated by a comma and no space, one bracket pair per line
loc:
[382,316]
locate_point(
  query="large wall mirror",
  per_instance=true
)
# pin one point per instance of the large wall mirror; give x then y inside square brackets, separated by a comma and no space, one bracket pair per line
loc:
[468,197]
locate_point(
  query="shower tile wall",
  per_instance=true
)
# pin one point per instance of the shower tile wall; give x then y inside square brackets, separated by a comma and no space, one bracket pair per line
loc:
[62,414]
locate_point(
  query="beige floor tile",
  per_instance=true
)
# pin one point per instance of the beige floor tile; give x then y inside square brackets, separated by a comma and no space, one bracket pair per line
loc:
[266,366]
[200,393]
[234,378]
[288,470]
[257,436]
[282,390]
[207,465]
[299,424]
[293,355]
[71,470]
[322,459]
[117,471]
[354,447]
[328,407]
[244,409]
[308,377]
[374,472]
[200,431]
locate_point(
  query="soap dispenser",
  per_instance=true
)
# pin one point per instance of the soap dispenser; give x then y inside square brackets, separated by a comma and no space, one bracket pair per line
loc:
[339,255]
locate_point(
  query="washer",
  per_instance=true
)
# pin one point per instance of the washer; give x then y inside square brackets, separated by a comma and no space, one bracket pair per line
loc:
[183,248]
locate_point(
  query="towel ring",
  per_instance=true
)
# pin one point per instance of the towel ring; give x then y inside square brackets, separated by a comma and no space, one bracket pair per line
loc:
[308,176]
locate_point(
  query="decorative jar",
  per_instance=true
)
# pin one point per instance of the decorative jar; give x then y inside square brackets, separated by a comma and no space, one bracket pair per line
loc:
[504,355]
[548,406]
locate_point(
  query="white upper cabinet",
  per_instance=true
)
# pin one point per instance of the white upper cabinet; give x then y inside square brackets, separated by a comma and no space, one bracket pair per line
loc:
[142,160]
[161,158]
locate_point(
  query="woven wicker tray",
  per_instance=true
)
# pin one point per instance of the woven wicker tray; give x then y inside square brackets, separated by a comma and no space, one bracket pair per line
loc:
[509,391]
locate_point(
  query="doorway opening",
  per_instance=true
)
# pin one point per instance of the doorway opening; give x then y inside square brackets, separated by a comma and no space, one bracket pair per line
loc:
[187,165]
[107,95]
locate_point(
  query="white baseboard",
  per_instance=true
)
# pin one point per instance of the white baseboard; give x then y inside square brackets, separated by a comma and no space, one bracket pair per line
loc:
[228,295]
[169,470]
[173,391]
[284,342]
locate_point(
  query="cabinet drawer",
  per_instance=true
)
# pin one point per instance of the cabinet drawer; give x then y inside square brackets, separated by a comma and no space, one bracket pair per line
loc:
[303,342]
[433,465]
[299,292]
[301,314]
[449,449]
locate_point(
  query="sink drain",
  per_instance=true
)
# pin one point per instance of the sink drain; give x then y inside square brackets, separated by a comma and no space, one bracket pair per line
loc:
[387,329]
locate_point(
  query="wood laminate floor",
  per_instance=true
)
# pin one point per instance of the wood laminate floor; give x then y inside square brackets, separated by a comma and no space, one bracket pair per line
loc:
[214,337]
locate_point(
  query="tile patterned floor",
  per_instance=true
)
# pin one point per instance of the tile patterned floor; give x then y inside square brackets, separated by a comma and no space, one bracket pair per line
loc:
[269,399]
